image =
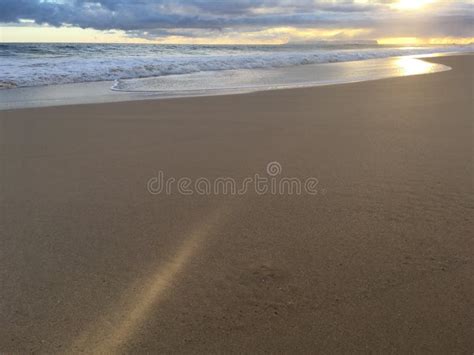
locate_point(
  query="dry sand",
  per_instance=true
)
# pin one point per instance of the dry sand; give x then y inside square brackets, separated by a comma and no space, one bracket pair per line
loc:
[381,262]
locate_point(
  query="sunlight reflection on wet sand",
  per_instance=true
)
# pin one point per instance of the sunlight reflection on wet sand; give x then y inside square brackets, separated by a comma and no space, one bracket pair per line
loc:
[413,66]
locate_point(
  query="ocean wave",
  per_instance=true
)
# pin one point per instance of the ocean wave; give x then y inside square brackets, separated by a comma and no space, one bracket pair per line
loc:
[34,71]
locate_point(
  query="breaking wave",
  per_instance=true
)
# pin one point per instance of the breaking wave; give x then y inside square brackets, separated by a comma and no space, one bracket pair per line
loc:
[86,64]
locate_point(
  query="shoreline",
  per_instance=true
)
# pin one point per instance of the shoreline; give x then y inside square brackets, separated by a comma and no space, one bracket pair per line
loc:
[104,92]
[91,261]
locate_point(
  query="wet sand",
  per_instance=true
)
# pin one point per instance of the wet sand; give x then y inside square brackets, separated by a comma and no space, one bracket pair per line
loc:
[379,260]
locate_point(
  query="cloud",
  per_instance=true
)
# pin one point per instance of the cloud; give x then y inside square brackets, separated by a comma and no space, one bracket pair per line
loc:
[158,18]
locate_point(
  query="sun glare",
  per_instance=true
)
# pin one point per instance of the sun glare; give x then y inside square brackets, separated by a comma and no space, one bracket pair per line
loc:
[411,4]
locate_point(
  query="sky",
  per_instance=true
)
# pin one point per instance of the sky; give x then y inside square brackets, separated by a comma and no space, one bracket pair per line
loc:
[237,21]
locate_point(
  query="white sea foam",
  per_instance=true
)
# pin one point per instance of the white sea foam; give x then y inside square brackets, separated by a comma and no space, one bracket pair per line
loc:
[208,83]
[77,64]
[245,80]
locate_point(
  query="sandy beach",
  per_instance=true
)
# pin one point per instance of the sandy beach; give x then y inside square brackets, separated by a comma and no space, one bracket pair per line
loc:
[380,260]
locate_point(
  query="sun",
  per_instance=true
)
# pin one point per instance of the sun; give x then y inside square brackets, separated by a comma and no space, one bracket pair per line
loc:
[410,4]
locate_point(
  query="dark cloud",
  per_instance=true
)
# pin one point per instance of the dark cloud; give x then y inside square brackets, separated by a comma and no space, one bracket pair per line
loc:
[162,17]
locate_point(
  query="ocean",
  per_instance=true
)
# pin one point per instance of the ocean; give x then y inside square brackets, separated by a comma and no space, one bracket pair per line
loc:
[177,70]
